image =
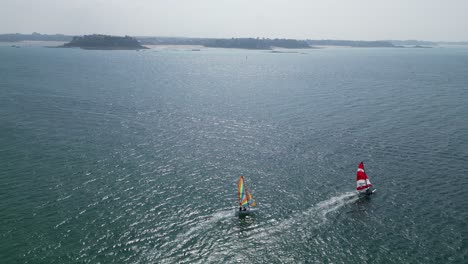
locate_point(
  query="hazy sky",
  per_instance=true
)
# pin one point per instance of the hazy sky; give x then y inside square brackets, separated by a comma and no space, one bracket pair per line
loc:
[315,19]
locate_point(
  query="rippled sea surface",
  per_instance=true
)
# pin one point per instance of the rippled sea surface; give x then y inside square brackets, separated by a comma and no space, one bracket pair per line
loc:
[133,157]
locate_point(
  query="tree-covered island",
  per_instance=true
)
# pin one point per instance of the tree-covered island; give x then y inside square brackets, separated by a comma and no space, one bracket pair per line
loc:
[235,43]
[104,42]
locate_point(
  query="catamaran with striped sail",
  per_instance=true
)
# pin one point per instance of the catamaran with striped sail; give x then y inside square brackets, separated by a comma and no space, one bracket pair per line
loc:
[246,201]
[364,186]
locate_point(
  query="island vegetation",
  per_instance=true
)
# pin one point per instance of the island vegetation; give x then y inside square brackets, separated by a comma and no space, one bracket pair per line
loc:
[104,42]
[238,43]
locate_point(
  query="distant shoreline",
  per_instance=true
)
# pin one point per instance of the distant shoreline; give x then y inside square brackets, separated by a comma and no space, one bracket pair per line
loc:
[59,44]
[102,48]
[233,43]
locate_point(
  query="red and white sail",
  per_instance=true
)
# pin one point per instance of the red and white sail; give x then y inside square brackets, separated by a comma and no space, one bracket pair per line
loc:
[362,181]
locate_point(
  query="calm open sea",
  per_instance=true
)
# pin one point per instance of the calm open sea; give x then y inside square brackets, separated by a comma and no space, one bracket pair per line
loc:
[133,157]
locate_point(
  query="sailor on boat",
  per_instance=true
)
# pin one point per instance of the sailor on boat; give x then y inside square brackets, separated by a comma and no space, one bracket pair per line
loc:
[364,186]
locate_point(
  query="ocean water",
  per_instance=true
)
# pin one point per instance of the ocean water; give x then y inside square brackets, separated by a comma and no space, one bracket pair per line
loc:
[133,157]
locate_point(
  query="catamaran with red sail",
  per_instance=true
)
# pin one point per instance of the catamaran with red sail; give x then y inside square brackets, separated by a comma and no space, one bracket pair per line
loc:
[364,186]
[246,201]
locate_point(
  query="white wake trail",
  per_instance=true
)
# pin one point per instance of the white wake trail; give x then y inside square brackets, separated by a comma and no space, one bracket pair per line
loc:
[209,222]
[316,216]
[333,204]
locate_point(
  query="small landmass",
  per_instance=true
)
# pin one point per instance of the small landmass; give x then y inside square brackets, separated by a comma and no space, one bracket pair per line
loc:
[235,43]
[282,51]
[351,43]
[412,42]
[257,43]
[16,37]
[104,42]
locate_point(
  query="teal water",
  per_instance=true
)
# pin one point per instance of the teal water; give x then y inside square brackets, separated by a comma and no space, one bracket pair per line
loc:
[133,157]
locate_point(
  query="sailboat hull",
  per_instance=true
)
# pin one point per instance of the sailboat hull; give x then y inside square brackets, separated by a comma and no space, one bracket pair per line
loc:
[246,212]
[367,192]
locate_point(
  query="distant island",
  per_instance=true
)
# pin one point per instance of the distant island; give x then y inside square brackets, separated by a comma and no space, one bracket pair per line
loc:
[236,43]
[412,42]
[252,43]
[16,37]
[104,42]
[351,43]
